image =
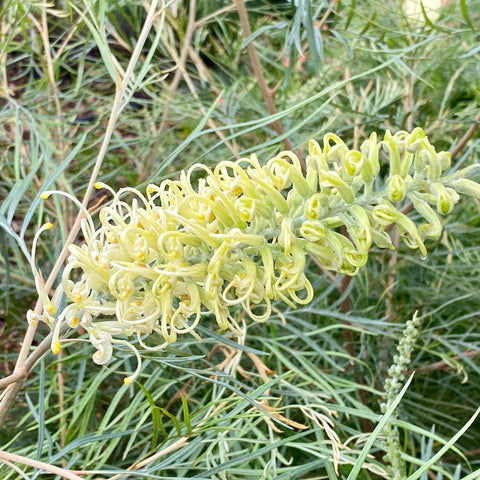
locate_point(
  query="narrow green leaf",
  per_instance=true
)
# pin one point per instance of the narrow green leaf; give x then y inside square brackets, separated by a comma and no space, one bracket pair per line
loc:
[427,465]
[156,417]
[186,414]
[174,419]
[465,14]
[429,23]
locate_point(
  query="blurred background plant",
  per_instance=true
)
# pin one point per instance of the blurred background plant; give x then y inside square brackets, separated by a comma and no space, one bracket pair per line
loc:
[137,91]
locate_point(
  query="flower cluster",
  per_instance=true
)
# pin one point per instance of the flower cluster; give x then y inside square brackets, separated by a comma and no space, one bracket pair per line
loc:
[239,235]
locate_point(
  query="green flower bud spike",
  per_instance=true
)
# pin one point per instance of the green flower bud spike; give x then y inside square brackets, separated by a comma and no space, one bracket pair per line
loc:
[159,263]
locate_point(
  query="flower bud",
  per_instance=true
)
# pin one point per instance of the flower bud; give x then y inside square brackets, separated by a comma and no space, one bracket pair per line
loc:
[396,188]
[445,160]
[414,140]
[382,239]
[102,341]
[356,258]
[337,152]
[316,156]
[313,205]
[121,285]
[286,238]
[293,171]
[446,198]
[371,165]
[392,148]
[410,234]
[353,162]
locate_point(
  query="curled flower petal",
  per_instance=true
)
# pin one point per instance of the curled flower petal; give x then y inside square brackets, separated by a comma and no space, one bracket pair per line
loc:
[313,230]
[385,213]
[102,341]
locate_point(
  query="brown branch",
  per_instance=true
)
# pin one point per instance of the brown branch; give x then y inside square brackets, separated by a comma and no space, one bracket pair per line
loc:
[13,457]
[468,135]
[181,71]
[210,16]
[395,236]
[455,457]
[180,66]
[21,373]
[267,93]
[444,365]
[347,305]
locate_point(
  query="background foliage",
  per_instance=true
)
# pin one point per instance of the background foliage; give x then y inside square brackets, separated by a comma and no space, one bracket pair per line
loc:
[230,408]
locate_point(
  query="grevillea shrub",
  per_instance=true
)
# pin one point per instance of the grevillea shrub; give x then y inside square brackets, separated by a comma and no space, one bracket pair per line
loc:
[160,261]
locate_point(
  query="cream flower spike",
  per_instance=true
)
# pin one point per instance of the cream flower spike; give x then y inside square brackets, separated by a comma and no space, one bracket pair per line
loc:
[237,239]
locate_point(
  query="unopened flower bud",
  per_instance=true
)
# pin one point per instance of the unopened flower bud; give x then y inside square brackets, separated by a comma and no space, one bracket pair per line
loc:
[396,188]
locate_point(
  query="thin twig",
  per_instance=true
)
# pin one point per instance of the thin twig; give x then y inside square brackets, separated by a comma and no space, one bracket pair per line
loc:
[206,76]
[409,102]
[395,236]
[357,122]
[181,442]
[468,135]
[43,29]
[180,65]
[181,71]
[267,93]
[214,14]
[14,467]
[444,364]
[21,373]
[13,457]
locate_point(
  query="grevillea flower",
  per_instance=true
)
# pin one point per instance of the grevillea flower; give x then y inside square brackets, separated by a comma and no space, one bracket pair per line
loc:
[240,235]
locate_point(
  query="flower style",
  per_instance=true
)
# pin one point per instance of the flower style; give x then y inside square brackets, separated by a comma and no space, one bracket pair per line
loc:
[239,236]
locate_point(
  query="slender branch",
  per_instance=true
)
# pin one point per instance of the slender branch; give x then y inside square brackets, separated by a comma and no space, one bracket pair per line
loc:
[203,73]
[210,16]
[392,264]
[180,65]
[13,457]
[358,120]
[181,71]
[444,364]
[121,88]
[21,373]
[267,93]
[468,135]
[14,467]
[181,442]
